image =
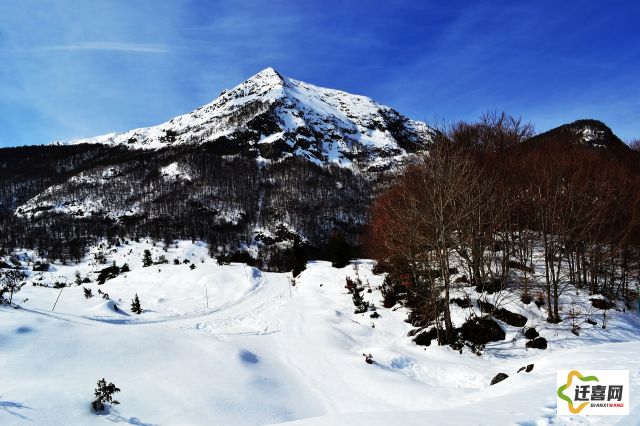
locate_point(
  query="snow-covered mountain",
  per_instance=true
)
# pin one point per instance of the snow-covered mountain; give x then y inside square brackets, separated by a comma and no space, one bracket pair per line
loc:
[275,117]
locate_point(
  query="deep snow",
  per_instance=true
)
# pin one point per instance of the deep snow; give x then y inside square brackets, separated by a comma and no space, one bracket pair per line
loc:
[266,351]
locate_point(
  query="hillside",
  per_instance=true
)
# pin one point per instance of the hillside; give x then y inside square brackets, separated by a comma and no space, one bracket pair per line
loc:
[268,155]
[233,345]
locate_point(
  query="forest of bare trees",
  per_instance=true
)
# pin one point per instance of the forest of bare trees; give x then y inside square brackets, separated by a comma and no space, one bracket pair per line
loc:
[540,216]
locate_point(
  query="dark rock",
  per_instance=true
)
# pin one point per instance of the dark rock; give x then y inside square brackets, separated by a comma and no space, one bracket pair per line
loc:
[491,286]
[511,318]
[463,303]
[591,321]
[498,378]
[531,333]
[526,369]
[425,338]
[602,304]
[486,306]
[537,343]
[462,279]
[482,331]
[374,315]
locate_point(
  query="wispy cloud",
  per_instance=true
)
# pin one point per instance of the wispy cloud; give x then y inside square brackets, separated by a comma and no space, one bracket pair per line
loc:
[108,46]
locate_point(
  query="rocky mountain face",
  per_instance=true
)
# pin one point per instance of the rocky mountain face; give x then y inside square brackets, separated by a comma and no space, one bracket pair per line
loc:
[267,160]
[272,117]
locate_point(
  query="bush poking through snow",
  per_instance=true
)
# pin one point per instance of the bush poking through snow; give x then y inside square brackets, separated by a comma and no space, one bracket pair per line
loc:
[104,394]
[135,305]
[88,294]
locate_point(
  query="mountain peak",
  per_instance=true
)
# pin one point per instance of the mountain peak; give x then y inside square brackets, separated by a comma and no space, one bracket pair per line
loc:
[269,72]
[273,117]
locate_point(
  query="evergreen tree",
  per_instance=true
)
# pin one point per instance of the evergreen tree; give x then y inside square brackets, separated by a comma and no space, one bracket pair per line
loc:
[146,259]
[135,305]
[104,393]
[88,294]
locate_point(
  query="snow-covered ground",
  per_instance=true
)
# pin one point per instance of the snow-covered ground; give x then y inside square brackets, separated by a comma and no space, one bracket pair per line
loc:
[231,345]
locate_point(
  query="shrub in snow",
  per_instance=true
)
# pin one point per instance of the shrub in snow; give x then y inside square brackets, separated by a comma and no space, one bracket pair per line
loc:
[40,266]
[88,294]
[125,268]
[135,305]
[100,257]
[192,267]
[108,273]
[104,394]
[176,261]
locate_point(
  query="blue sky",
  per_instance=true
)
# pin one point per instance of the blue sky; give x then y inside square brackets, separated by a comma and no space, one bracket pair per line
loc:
[86,67]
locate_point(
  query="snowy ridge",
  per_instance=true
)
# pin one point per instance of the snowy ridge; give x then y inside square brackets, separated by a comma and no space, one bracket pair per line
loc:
[294,118]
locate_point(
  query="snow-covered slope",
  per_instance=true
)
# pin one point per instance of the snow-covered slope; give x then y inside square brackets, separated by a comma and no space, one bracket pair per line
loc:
[279,116]
[234,345]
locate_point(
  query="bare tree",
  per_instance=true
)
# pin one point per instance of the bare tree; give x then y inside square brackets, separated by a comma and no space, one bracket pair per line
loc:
[11,282]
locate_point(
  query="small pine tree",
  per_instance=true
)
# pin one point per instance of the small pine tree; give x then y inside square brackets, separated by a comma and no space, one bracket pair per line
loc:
[104,393]
[88,294]
[135,305]
[359,303]
[192,267]
[146,259]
